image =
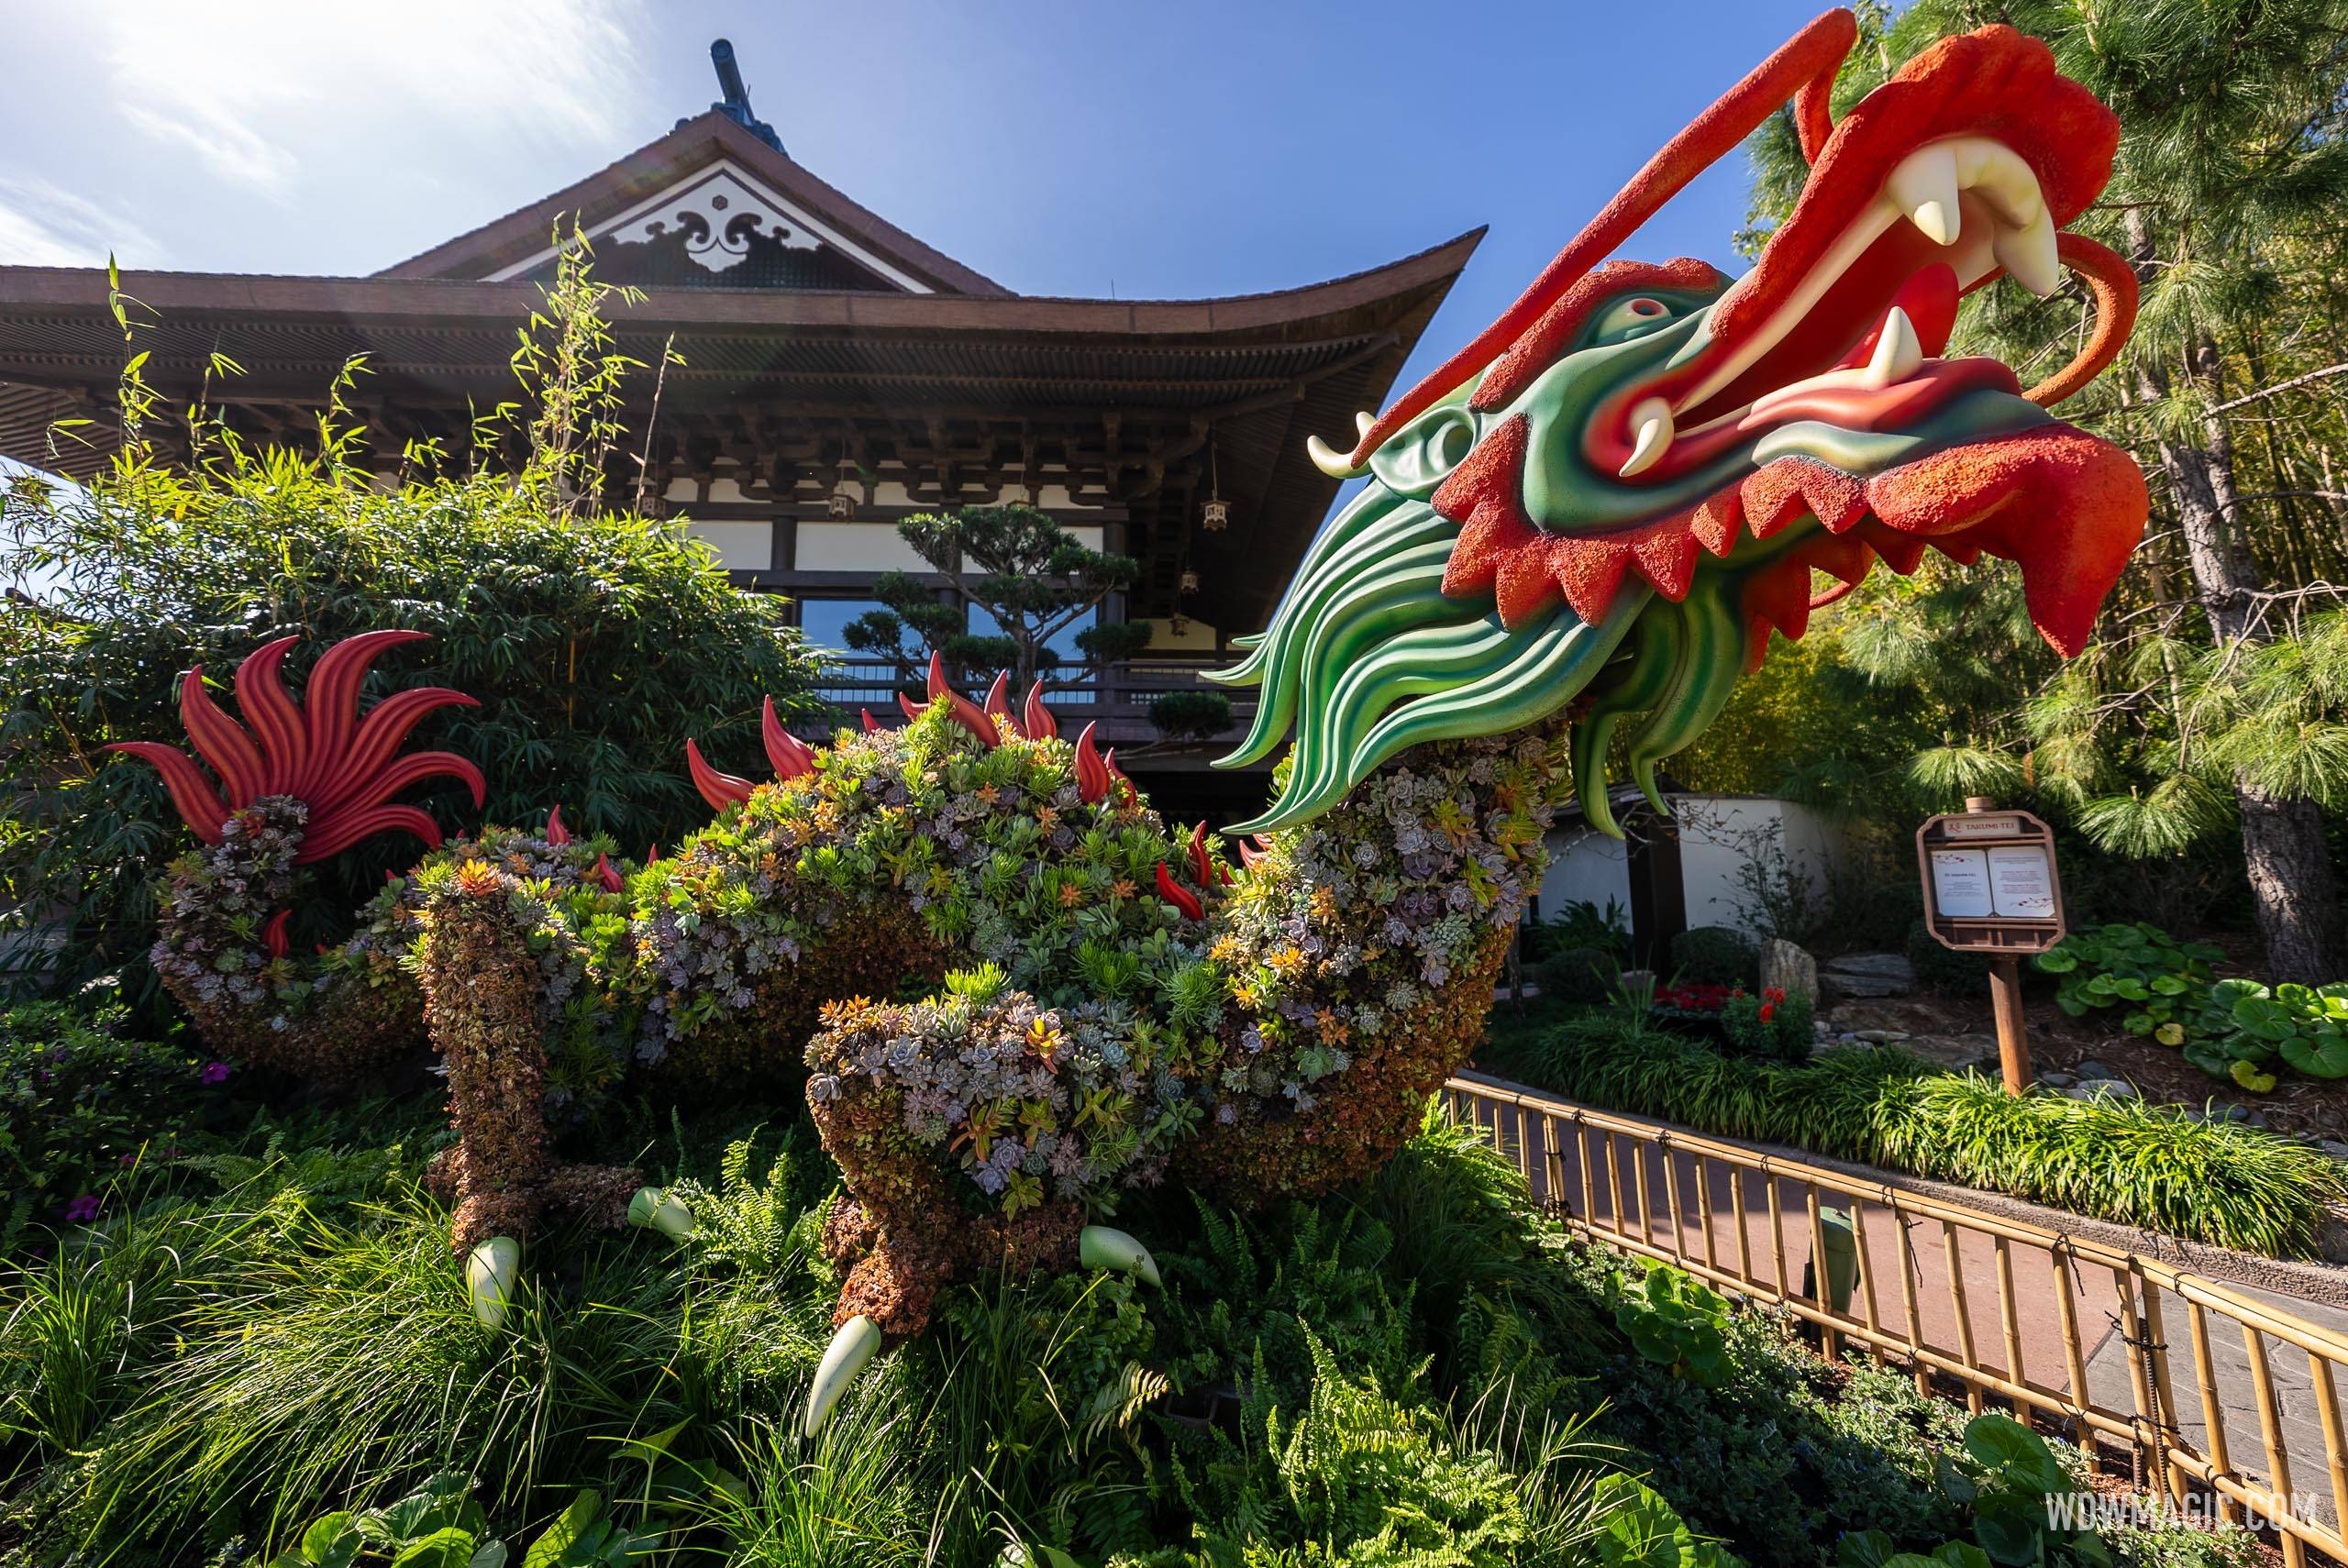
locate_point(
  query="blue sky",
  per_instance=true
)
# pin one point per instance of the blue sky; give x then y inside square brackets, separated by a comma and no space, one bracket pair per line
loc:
[1148,150]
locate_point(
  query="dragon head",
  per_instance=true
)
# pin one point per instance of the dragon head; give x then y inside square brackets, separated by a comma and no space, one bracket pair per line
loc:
[1619,490]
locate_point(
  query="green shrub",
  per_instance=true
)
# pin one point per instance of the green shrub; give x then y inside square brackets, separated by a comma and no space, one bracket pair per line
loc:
[1677,1321]
[1772,1025]
[1578,923]
[1715,956]
[596,644]
[1943,969]
[1190,715]
[1577,974]
[80,1099]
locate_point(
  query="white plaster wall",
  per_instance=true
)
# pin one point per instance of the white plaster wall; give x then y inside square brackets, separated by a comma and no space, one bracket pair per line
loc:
[1585,864]
[1717,834]
[856,547]
[743,546]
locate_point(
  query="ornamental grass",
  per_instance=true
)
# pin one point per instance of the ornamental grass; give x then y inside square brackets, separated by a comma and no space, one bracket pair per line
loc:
[2111,1158]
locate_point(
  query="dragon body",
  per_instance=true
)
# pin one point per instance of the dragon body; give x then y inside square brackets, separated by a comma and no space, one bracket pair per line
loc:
[1576,536]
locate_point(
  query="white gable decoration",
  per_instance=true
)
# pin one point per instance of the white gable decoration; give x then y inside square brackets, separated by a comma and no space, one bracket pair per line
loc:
[718,208]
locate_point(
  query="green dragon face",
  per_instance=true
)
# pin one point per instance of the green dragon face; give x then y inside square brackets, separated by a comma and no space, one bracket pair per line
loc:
[1617,494]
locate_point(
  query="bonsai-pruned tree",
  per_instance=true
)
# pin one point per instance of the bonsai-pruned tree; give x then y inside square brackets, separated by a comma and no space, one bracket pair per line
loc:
[1023,570]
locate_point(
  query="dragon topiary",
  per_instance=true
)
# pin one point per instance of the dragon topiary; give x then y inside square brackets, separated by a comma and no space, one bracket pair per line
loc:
[1600,509]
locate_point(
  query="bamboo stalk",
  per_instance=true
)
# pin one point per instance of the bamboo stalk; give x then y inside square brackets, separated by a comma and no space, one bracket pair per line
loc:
[2213,1415]
[2335,1443]
[1553,1164]
[1820,1290]
[1736,1217]
[1777,1230]
[2074,1361]
[2270,1428]
[2163,1394]
[1867,1277]
[1704,1210]
[1964,1317]
[1639,1188]
[1589,1172]
[1671,1199]
[2009,1323]
[1614,1188]
[1908,1304]
[2131,1340]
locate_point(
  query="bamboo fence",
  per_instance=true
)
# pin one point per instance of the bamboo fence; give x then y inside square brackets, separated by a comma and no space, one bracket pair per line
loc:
[1600,1172]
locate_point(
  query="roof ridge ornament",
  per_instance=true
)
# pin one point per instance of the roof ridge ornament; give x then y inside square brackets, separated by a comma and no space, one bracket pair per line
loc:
[735,105]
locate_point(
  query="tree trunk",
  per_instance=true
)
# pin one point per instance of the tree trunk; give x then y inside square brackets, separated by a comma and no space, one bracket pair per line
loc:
[2291,881]
[2290,867]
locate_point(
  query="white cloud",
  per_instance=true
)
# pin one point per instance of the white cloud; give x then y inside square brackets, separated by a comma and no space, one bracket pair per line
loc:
[268,90]
[42,225]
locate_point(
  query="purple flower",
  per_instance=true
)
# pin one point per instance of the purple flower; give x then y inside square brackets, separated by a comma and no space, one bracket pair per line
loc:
[214,1073]
[82,1210]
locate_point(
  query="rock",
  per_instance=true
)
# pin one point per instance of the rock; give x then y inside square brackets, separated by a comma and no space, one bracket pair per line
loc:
[1955,1052]
[2094,1069]
[2092,1089]
[1790,968]
[1869,975]
[1883,1036]
[1885,965]
[2332,1146]
[2057,1080]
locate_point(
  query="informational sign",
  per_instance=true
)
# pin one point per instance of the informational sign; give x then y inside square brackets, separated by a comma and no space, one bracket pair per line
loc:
[1989,882]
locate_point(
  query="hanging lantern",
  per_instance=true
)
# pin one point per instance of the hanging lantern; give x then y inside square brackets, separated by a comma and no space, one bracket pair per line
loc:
[845,492]
[1190,582]
[1215,512]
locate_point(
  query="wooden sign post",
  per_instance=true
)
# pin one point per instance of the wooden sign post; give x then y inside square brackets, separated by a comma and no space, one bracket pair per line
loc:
[1990,886]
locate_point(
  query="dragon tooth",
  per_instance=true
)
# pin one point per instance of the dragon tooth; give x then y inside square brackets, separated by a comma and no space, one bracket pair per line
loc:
[2027,253]
[1651,433]
[1925,187]
[1897,352]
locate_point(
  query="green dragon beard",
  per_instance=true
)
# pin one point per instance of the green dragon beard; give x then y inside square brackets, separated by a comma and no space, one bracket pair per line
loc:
[1367,657]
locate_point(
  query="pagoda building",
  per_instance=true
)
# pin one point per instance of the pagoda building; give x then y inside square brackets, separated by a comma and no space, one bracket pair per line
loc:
[835,375]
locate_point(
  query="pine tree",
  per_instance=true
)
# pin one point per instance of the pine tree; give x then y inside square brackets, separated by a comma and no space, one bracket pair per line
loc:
[2231,176]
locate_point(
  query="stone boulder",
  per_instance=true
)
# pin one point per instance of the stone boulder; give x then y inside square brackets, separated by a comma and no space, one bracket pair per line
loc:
[1868,975]
[1788,969]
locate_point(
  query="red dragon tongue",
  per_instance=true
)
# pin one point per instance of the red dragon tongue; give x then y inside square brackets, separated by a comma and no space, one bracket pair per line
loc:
[2064,506]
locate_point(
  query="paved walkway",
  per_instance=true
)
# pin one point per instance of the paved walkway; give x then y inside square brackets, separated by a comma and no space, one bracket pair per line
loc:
[1997,1307]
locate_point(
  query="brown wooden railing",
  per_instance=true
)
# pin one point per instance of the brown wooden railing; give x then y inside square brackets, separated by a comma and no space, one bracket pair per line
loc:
[2260,1437]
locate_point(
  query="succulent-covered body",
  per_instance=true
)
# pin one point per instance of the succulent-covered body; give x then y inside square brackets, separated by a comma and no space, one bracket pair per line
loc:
[1015,994]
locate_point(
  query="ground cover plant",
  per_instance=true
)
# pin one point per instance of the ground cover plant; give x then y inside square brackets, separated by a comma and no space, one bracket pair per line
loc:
[2110,1157]
[2237,1029]
[263,1354]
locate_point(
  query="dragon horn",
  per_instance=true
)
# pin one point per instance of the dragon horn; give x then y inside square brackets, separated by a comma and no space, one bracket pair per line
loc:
[557,833]
[348,828]
[269,710]
[1041,725]
[1200,864]
[1804,65]
[791,756]
[198,804]
[222,741]
[272,935]
[330,703]
[998,703]
[379,738]
[1180,897]
[1092,778]
[720,789]
[966,713]
[871,724]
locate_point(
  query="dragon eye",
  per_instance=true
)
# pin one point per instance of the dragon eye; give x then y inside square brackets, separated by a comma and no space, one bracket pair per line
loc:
[1628,319]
